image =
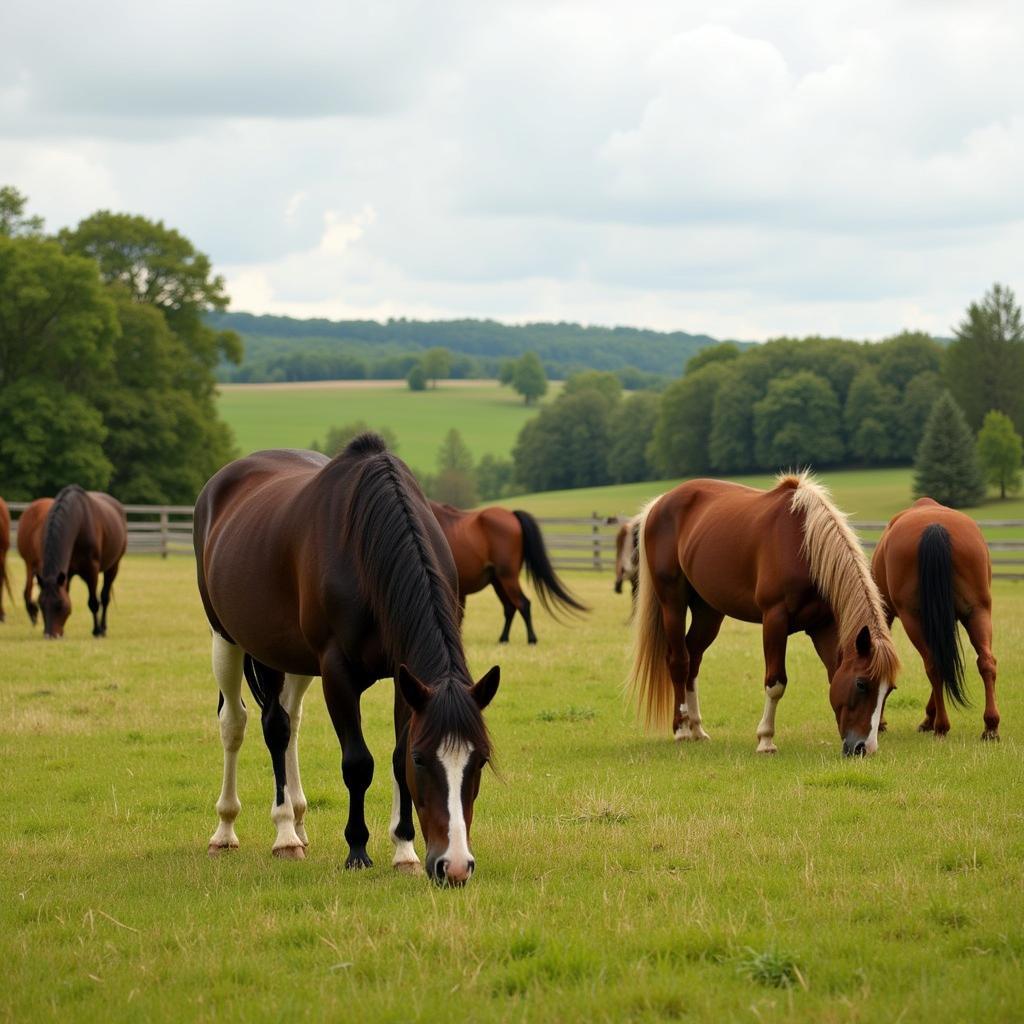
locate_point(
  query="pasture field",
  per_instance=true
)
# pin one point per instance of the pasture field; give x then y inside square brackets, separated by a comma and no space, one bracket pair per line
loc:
[291,416]
[620,876]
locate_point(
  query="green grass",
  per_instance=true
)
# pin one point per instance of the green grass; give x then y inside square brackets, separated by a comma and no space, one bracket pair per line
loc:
[488,416]
[620,876]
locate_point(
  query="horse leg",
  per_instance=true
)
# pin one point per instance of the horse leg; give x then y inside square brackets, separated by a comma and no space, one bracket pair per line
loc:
[227,670]
[509,582]
[979,630]
[403,830]
[291,700]
[507,607]
[342,691]
[108,582]
[30,606]
[673,602]
[705,623]
[774,634]
[91,578]
[935,717]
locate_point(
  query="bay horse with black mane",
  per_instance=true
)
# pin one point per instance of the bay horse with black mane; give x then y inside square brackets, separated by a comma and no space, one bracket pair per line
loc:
[785,558]
[933,569]
[85,533]
[490,547]
[337,568]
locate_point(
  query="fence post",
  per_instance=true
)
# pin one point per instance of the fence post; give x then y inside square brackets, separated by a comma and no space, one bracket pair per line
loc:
[597,541]
[164,521]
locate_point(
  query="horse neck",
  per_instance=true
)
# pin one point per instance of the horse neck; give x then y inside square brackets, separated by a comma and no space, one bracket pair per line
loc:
[66,522]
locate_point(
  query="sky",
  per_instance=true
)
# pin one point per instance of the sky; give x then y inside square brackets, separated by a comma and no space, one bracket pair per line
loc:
[741,169]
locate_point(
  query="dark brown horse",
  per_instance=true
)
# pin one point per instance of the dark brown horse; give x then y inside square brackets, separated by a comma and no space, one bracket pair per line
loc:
[933,569]
[336,568]
[490,547]
[626,566]
[30,547]
[5,543]
[85,534]
[785,558]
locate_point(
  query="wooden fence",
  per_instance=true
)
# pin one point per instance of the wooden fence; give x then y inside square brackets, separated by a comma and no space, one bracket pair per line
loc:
[584,543]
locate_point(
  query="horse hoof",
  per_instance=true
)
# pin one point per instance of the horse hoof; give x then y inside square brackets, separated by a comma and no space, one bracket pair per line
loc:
[926,726]
[215,849]
[532,641]
[409,867]
[767,748]
[290,853]
[990,735]
[358,861]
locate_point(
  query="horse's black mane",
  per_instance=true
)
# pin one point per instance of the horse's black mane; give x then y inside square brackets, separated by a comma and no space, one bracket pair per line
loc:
[55,535]
[413,602]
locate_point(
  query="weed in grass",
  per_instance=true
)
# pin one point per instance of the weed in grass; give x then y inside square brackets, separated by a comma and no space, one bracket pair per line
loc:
[569,714]
[600,812]
[770,967]
[959,862]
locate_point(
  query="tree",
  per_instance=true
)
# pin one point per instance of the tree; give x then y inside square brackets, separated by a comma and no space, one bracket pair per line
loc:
[455,482]
[630,429]
[903,356]
[495,477]
[797,423]
[731,442]
[984,366]
[565,445]
[604,382]
[870,418]
[916,404]
[507,372]
[999,452]
[723,352]
[946,467]
[529,378]
[417,378]
[337,438]
[13,222]
[437,364]
[679,445]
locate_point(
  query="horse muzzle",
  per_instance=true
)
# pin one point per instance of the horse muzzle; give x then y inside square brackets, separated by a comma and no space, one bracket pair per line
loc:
[855,746]
[448,873]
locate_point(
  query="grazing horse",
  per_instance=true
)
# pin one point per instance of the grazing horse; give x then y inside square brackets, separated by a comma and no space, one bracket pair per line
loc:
[785,558]
[932,567]
[30,547]
[490,548]
[85,533]
[5,543]
[309,566]
[625,555]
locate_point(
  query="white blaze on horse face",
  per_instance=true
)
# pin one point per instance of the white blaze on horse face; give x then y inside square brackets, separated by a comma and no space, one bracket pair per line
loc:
[876,719]
[454,756]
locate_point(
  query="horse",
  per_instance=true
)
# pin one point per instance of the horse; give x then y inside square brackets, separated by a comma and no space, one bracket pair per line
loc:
[5,543]
[84,533]
[490,547]
[625,554]
[30,547]
[932,567]
[335,567]
[785,558]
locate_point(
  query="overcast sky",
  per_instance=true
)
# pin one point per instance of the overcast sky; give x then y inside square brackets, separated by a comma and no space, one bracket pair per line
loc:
[743,169]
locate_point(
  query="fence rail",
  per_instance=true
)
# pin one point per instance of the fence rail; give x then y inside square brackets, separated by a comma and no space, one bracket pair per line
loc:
[582,542]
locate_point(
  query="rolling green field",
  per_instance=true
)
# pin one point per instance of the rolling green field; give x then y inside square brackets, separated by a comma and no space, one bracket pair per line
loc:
[282,416]
[620,876]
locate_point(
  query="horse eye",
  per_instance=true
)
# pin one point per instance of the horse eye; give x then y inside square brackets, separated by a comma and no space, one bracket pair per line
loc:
[417,759]
[862,686]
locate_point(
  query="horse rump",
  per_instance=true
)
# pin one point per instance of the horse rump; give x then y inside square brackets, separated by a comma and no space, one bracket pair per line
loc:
[938,609]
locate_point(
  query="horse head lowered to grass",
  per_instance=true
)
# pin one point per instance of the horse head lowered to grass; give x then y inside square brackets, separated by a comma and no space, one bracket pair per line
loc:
[337,568]
[785,558]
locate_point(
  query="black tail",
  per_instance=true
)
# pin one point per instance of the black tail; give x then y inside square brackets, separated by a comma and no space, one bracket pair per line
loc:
[938,609]
[260,679]
[552,592]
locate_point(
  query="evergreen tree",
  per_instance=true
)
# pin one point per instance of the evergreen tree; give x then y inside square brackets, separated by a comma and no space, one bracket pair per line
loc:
[999,452]
[947,468]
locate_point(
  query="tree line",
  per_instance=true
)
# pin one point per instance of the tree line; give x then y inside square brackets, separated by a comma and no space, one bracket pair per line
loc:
[106,358]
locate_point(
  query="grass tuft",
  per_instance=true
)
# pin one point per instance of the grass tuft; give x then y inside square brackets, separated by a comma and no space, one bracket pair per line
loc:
[770,967]
[569,714]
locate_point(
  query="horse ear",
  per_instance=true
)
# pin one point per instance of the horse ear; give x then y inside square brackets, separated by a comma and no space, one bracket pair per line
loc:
[483,692]
[864,642]
[415,693]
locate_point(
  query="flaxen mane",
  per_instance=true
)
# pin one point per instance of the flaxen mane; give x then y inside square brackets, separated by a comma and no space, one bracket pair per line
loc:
[841,572]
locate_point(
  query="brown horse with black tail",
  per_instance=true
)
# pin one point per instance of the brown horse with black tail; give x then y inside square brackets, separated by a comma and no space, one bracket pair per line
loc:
[337,568]
[785,558]
[933,569]
[30,547]
[85,533]
[490,547]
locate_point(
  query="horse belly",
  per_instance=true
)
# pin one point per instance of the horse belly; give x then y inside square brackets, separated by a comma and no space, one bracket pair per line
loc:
[723,573]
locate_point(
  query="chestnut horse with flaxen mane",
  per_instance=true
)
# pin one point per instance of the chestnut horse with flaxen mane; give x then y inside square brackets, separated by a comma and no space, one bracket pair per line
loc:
[85,533]
[336,568]
[933,569]
[490,547]
[785,558]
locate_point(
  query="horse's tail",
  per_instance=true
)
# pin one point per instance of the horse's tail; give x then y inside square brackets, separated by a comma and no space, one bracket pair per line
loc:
[649,683]
[260,679]
[938,609]
[552,592]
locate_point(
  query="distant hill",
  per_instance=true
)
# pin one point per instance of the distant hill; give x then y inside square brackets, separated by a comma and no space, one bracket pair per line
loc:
[284,348]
